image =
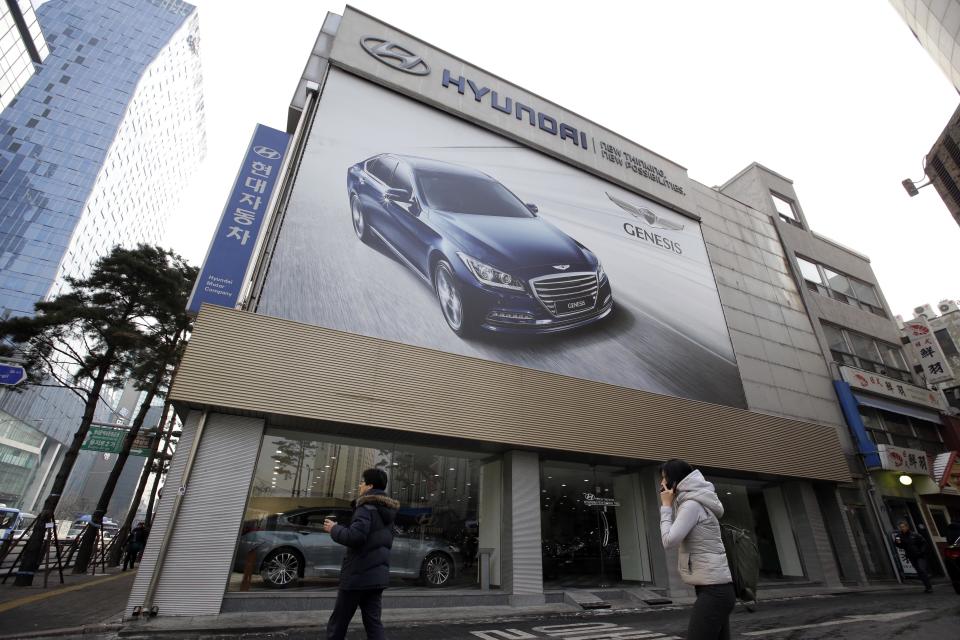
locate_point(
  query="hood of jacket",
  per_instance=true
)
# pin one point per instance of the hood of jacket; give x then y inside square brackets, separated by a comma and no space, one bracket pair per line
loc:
[386,506]
[695,487]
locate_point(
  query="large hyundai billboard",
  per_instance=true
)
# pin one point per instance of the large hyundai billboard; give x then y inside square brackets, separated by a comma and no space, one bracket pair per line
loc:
[412,225]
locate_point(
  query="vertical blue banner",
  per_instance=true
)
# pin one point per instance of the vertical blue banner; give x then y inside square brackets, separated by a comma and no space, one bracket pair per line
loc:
[231,249]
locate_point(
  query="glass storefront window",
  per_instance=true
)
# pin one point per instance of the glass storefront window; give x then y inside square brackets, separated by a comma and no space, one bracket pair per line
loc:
[303,477]
[591,526]
[761,510]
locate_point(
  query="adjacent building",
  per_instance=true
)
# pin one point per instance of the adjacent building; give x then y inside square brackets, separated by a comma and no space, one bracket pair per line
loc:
[94,152]
[896,426]
[933,336]
[22,48]
[936,26]
[518,314]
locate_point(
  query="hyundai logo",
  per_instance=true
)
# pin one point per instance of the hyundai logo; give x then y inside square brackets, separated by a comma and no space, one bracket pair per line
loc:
[393,55]
[561,267]
[266,152]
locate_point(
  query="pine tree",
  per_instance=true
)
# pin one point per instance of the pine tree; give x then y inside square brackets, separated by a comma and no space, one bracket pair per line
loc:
[84,340]
[165,331]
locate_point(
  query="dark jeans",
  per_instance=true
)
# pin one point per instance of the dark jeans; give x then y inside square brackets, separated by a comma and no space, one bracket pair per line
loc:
[130,559]
[710,619]
[920,564]
[347,602]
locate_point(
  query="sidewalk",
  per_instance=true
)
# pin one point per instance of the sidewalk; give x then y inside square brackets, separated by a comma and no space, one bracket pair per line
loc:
[95,604]
[253,622]
[84,603]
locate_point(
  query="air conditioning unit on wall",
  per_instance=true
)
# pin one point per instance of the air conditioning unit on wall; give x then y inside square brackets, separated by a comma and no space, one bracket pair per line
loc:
[948,306]
[925,310]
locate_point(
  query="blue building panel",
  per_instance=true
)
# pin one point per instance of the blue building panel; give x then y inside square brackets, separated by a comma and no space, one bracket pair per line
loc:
[851,411]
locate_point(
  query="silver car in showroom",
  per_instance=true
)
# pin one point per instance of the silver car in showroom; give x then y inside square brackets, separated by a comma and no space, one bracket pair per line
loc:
[286,547]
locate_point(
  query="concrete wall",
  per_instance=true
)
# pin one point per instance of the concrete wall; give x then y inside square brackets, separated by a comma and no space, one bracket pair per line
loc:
[752,187]
[780,359]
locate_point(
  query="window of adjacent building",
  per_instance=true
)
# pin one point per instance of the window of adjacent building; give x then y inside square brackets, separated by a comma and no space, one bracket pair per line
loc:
[785,209]
[810,271]
[861,351]
[885,427]
[841,287]
[946,343]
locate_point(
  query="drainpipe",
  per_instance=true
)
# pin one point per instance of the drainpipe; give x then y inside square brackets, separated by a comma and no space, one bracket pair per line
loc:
[171,523]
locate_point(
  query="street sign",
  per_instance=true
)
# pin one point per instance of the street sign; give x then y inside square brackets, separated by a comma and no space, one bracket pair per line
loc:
[110,440]
[11,374]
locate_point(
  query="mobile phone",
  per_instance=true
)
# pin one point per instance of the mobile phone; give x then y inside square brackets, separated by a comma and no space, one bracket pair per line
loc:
[334,518]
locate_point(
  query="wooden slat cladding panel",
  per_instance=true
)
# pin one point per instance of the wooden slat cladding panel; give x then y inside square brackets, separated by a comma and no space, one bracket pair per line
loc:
[256,363]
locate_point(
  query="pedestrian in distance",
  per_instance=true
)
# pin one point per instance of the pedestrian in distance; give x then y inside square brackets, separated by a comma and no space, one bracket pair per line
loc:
[690,515]
[135,544]
[915,548]
[366,567]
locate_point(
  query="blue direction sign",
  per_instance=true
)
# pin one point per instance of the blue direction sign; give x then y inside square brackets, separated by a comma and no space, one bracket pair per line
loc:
[11,374]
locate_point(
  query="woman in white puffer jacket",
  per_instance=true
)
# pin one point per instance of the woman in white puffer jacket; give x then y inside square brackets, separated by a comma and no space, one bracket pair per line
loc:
[690,519]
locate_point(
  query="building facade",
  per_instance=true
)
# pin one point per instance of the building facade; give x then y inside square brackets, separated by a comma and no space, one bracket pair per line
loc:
[518,314]
[22,48]
[936,26]
[94,152]
[99,143]
[890,413]
[931,340]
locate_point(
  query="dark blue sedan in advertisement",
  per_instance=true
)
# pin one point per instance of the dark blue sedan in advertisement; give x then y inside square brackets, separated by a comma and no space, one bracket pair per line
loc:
[493,263]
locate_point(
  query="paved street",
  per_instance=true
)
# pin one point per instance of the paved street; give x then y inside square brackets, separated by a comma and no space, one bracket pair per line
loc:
[904,614]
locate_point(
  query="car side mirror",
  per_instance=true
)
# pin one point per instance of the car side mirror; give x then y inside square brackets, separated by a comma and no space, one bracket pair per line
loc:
[397,195]
[415,208]
[534,209]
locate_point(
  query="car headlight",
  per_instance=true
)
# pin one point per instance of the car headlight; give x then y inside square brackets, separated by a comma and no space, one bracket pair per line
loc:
[489,275]
[601,274]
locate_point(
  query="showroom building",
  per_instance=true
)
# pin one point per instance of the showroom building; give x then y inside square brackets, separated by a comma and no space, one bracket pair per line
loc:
[515,312]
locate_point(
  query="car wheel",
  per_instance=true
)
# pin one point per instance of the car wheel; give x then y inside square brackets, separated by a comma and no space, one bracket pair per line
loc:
[451,299]
[437,570]
[281,568]
[360,226]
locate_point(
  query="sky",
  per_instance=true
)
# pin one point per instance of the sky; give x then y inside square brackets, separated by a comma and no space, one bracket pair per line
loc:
[837,96]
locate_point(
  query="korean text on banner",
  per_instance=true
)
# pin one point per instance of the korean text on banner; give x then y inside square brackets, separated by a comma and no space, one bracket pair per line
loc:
[222,276]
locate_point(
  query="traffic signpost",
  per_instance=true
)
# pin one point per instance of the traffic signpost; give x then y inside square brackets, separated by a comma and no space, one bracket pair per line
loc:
[11,374]
[110,440]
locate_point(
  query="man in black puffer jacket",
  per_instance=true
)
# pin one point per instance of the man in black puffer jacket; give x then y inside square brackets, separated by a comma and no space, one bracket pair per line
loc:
[915,548]
[366,568]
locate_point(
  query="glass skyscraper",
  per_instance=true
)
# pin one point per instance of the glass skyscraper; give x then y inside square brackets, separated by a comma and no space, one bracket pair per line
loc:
[22,47]
[100,143]
[95,151]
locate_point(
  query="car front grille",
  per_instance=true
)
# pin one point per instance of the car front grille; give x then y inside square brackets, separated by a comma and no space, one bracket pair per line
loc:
[553,289]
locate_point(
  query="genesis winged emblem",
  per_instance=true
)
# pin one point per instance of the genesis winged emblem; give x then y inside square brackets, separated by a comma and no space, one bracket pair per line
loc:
[645,215]
[561,267]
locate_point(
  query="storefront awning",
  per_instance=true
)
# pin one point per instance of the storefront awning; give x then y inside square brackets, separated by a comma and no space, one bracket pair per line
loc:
[896,407]
[946,469]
